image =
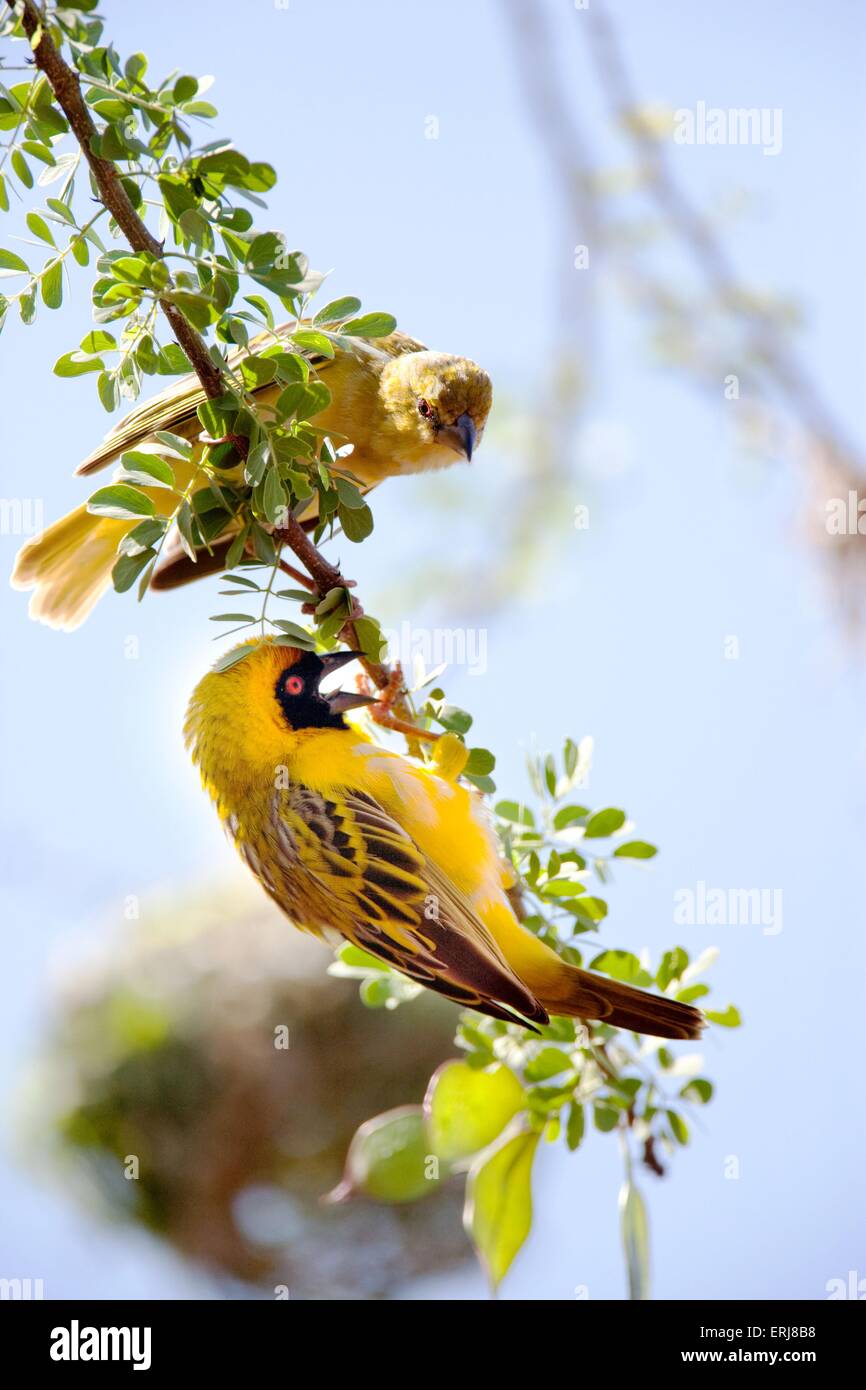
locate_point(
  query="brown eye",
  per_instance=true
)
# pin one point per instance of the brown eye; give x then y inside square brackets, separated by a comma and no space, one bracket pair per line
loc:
[294,685]
[425,409]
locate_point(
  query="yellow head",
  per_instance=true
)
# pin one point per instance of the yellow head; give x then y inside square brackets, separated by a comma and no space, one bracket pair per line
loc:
[435,406]
[242,722]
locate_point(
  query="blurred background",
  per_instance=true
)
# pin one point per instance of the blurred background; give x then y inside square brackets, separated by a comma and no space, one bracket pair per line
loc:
[675,332]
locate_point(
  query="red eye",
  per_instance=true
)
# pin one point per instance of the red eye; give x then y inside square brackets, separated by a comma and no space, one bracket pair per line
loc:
[425,408]
[294,685]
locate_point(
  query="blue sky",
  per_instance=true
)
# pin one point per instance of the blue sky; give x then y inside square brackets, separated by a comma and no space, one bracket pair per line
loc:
[747,773]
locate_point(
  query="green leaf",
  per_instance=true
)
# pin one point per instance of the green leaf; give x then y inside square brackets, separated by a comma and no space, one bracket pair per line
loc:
[576,1126]
[27,304]
[563,888]
[40,228]
[237,549]
[233,618]
[591,908]
[550,1061]
[216,419]
[274,499]
[98,341]
[455,719]
[604,823]
[672,966]
[133,270]
[173,360]
[122,502]
[291,366]
[257,371]
[634,1229]
[107,390]
[679,1128]
[338,309]
[185,89]
[21,167]
[143,536]
[128,567]
[293,634]
[229,659]
[635,849]
[605,1117]
[691,992]
[348,494]
[515,812]
[312,341]
[729,1019]
[479,763]
[244,583]
[370,326]
[174,444]
[135,67]
[698,1090]
[12,264]
[389,1159]
[74,364]
[147,469]
[569,815]
[370,638]
[51,285]
[498,1211]
[466,1109]
[621,965]
[357,522]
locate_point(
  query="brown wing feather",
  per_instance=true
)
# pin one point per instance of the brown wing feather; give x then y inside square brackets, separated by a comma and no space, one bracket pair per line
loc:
[342,862]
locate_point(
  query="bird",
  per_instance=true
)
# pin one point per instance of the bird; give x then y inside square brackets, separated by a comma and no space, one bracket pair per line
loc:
[403,407]
[358,843]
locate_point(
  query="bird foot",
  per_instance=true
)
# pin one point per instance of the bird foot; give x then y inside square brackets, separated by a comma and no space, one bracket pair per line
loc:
[383,710]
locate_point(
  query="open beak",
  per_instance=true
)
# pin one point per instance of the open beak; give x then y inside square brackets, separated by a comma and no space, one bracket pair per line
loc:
[461,436]
[341,700]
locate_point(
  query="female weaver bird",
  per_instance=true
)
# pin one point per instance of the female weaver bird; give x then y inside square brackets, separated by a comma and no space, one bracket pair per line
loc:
[405,409]
[354,841]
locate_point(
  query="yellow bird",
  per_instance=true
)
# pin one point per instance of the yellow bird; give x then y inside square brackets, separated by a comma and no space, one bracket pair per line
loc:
[404,408]
[353,841]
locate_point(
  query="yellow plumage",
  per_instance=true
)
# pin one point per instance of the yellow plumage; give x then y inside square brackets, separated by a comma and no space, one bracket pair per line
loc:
[351,839]
[405,409]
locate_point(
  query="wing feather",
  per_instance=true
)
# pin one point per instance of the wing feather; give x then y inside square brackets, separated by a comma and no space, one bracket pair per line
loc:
[342,862]
[176,405]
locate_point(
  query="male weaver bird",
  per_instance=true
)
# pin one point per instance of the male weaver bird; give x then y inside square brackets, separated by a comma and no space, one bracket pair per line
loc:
[354,841]
[404,408]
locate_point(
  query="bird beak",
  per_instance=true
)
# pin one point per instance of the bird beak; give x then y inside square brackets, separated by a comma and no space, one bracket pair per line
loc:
[341,700]
[461,436]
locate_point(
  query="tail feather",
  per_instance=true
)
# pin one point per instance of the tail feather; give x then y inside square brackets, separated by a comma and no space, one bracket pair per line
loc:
[596,998]
[69,566]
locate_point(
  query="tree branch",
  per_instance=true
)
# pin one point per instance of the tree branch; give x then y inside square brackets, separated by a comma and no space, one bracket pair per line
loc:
[67,89]
[65,84]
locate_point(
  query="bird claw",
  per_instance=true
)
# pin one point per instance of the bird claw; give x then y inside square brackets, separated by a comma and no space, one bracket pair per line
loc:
[382,711]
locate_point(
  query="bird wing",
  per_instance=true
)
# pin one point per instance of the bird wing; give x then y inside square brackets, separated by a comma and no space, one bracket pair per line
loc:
[178,403]
[342,861]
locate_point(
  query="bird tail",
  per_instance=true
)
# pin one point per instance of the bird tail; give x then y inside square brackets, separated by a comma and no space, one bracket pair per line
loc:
[69,565]
[580,994]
